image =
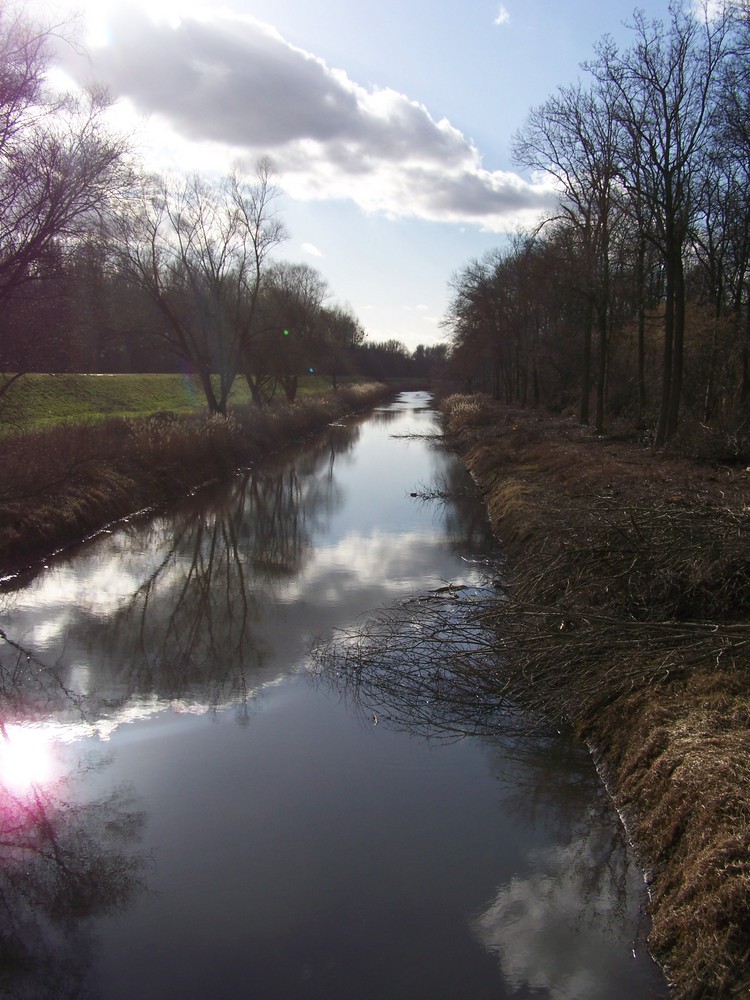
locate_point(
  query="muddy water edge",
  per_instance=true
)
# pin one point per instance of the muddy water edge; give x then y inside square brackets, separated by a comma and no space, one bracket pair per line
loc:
[628,606]
[192,806]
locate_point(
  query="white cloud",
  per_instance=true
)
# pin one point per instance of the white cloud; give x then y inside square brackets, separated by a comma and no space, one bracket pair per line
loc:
[312,249]
[564,929]
[232,84]
[503,16]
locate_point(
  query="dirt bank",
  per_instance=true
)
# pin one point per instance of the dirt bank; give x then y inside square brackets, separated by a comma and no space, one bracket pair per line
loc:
[61,485]
[627,615]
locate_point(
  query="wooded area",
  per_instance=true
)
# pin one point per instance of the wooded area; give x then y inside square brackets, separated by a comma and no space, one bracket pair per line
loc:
[630,301]
[628,305]
[105,267]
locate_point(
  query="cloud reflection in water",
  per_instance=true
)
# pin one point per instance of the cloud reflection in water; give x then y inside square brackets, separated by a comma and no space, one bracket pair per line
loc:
[586,887]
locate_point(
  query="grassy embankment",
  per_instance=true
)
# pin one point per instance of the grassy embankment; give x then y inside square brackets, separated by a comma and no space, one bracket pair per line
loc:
[70,466]
[627,616]
[38,402]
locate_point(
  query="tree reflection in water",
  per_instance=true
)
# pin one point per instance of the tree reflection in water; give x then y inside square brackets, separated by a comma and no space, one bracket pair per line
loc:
[62,863]
[555,928]
[189,594]
[187,629]
[584,892]
[428,666]
[192,629]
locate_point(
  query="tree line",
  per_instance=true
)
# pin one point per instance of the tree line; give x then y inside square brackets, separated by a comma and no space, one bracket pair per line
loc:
[630,300]
[105,267]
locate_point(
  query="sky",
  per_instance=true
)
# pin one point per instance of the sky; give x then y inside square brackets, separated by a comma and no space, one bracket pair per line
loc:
[389,124]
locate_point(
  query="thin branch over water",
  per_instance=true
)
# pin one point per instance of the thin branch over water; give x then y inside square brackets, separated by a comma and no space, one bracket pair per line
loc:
[473,661]
[429,664]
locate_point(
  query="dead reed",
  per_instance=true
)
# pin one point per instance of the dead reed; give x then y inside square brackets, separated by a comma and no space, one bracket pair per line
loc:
[625,615]
[62,484]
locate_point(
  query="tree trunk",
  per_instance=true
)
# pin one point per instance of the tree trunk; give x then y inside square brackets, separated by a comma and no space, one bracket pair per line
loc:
[678,349]
[290,384]
[641,278]
[214,404]
[586,367]
[601,382]
[255,393]
[662,429]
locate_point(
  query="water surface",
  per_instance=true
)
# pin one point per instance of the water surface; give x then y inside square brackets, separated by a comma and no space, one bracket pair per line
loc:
[188,812]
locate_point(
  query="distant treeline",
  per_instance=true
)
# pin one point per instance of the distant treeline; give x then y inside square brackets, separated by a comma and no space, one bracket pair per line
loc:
[81,315]
[105,267]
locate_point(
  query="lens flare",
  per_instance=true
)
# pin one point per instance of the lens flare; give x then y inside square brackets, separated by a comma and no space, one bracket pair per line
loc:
[25,758]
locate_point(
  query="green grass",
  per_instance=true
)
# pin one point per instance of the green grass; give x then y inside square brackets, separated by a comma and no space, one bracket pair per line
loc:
[40,401]
[64,482]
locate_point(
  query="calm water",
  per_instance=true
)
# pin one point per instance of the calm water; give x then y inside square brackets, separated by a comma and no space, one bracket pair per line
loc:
[188,812]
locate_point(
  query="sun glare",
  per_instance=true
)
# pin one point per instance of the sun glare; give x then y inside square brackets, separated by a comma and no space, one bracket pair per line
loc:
[101,15]
[25,758]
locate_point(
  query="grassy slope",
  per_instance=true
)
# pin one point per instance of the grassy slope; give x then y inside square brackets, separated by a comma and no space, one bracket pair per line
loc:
[62,482]
[40,401]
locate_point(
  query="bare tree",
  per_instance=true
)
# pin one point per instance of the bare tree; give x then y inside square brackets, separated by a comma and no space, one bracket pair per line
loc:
[479,319]
[342,334]
[292,303]
[725,238]
[507,311]
[59,164]
[199,250]
[665,89]
[573,137]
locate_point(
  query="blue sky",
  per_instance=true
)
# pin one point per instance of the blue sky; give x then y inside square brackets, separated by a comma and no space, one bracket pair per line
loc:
[389,123]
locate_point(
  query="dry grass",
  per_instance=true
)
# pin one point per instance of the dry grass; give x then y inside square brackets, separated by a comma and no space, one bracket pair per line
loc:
[680,765]
[62,484]
[627,615]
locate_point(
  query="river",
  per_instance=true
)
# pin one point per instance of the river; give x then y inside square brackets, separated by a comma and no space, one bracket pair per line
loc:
[190,810]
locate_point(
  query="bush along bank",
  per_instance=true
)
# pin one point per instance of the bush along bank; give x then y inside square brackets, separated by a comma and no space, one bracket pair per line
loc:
[63,484]
[626,616]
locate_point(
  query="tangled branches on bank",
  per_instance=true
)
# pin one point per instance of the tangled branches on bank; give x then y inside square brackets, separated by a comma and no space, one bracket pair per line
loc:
[628,613]
[624,612]
[471,663]
[425,663]
[652,559]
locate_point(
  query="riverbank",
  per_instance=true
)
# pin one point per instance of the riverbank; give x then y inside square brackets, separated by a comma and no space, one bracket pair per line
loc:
[65,483]
[626,616]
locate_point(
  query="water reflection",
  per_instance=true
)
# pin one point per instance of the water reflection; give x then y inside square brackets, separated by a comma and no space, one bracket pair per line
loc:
[63,861]
[357,846]
[201,606]
[560,930]
[172,608]
[391,414]
[568,921]
[557,926]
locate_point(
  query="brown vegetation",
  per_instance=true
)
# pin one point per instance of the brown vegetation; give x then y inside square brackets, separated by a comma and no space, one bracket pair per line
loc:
[63,484]
[626,614]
